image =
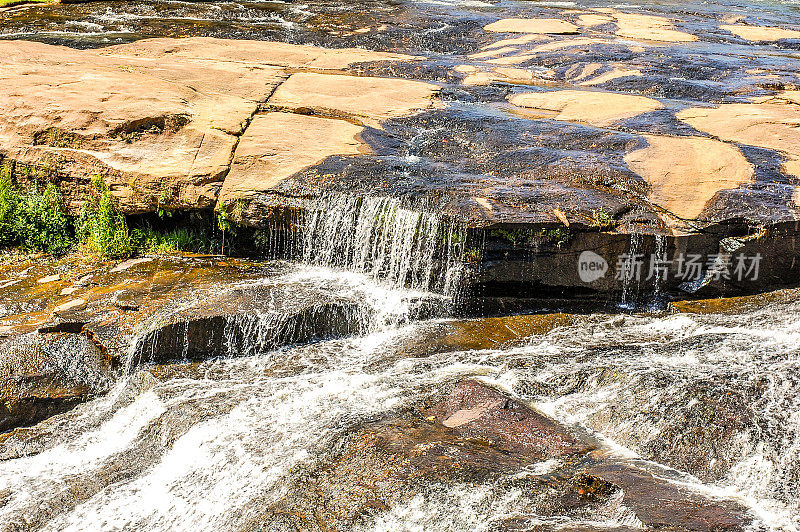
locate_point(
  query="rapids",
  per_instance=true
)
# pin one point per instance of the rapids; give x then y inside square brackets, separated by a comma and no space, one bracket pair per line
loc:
[206,446]
[193,438]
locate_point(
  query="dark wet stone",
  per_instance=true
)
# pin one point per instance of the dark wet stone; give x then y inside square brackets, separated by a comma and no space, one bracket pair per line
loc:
[45,374]
[377,465]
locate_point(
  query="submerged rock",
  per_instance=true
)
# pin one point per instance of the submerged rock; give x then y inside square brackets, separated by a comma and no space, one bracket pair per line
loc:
[479,436]
[44,374]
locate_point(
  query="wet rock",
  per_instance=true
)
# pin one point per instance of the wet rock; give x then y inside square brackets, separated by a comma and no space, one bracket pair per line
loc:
[475,411]
[222,330]
[45,374]
[385,462]
[468,437]
[662,505]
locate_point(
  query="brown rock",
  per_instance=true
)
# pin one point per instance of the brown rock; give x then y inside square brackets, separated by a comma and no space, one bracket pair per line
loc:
[684,173]
[475,410]
[596,108]
[44,374]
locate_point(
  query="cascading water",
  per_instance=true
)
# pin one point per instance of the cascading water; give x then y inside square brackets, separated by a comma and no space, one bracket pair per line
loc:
[300,304]
[631,271]
[387,240]
[210,446]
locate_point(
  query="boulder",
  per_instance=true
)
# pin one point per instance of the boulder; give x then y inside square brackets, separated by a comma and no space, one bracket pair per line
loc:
[475,436]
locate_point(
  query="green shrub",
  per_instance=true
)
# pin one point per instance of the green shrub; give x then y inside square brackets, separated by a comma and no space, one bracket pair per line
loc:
[33,220]
[172,241]
[602,219]
[40,223]
[9,198]
[101,228]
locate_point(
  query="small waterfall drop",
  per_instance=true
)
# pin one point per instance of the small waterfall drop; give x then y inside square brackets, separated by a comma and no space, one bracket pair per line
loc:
[385,239]
[631,270]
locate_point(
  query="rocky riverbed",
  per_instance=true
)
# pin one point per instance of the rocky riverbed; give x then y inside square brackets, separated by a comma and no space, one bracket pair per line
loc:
[543,130]
[293,397]
[500,266]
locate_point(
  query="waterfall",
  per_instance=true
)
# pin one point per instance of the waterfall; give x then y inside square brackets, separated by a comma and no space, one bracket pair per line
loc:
[385,239]
[659,274]
[631,271]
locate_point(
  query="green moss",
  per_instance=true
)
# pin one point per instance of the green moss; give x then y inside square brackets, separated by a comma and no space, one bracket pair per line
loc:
[519,237]
[561,235]
[602,219]
[515,236]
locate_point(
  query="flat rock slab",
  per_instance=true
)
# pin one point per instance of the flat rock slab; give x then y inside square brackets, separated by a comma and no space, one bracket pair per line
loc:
[596,108]
[278,145]
[771,124]
[761,33]
[685,173]
[170,141]
[367,99]
[522,25]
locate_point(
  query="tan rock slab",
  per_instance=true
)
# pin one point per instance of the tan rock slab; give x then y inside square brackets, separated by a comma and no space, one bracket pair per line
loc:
[49,279]
[773,124]
[582,71]
[516,41]
[551,26]
[684,173]
[527,54]
[597,108]
[591,20]
[466,415]
[75,304]
[278,145]
[367,99]
[263,53]
[157,119]
[128,264]
[507,75]
[11,282]
[761,33]
[650,28]
[614,73]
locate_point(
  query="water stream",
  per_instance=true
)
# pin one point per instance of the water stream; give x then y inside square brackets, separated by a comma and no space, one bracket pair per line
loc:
[207,446]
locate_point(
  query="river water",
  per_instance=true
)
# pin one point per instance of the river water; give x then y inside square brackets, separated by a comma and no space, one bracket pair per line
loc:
[206,446]
[709,401]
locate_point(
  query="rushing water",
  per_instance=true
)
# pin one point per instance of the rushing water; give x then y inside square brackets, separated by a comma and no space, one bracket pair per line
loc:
[205,447]
[708,401]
